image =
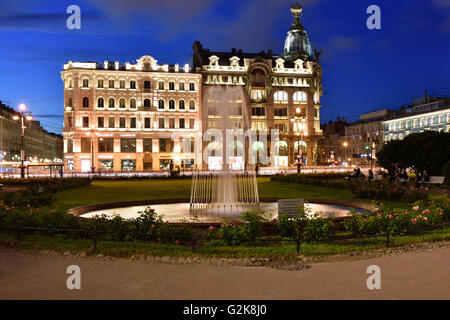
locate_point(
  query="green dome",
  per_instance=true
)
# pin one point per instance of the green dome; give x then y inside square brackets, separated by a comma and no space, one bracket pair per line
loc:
[297,44]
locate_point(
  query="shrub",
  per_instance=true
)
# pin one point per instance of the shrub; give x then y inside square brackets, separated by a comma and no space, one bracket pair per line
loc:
[446,172]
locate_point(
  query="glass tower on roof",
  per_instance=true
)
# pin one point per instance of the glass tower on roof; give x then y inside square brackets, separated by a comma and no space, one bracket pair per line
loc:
[297,44]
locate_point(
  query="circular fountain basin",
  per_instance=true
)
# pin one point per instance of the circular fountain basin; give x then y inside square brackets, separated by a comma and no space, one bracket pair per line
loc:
[176,212]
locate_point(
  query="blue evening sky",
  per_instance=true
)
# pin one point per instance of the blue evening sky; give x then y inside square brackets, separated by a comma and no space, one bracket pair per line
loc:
[363,69]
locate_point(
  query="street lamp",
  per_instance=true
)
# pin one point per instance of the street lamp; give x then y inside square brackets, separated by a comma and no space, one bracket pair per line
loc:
[91,133]
[301,126]
[23,117]
[345,145]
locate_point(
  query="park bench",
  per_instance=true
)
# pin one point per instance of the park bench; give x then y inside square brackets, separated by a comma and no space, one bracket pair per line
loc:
[436,180]
[377,177]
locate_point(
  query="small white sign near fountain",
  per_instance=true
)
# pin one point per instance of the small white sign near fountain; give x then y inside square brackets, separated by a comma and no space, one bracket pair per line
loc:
[290,207]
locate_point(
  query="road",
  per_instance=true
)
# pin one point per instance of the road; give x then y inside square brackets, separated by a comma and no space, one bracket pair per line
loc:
[412,275]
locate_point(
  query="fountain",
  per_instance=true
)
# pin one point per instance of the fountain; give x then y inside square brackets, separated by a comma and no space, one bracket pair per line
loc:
[232,189]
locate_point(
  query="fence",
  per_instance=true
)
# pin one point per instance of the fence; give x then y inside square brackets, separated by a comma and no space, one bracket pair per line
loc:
[194,239]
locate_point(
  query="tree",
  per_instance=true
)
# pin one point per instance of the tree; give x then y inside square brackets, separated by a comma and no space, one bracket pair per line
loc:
[428,150]
[390,157]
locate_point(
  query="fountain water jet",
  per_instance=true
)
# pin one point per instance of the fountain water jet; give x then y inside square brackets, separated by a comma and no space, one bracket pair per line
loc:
[225,192]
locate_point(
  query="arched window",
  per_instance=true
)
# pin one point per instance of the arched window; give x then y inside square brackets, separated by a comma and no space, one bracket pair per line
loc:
[171,85]
[133,104]
[181,86]
[100,83]
[147,103]
[70,85]
[112,103]
[122,103]
[280,96]
[258,78]
[191,86]
[100,103]
[69,102]
[192,105]
[283,148]
[161,104]
[181,105]
[300,96]
[85,102]
[171,104]
[161,85]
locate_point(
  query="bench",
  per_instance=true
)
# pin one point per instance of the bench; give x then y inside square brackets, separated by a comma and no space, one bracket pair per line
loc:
[436,180]
[377,177]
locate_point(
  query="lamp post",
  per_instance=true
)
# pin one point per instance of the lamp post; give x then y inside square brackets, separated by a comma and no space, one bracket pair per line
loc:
[345,145]
[371,155]
[300,121]
[91,133]
[23,117]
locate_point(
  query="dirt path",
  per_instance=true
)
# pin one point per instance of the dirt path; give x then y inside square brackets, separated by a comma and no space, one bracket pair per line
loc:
[413,275]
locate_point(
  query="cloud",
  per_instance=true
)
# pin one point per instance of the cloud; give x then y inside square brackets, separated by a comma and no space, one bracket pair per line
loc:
[168,10]
[445,6]
[250,26]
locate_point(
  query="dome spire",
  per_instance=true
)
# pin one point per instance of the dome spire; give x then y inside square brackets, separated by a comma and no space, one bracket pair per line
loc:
[297,44]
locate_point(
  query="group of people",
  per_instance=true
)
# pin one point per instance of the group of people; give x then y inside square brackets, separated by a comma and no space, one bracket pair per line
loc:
[399,176]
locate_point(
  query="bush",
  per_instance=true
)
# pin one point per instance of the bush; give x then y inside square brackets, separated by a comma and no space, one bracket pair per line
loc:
[305,226]
[331,180]
[446,172]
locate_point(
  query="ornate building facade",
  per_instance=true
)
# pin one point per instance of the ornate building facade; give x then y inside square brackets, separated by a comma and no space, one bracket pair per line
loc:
[278,92]
[40,145]
[122,117]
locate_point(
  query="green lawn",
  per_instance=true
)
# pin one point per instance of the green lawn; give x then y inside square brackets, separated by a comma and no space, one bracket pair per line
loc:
[123,190]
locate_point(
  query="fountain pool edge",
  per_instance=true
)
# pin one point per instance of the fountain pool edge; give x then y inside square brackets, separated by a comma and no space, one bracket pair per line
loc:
[80,210]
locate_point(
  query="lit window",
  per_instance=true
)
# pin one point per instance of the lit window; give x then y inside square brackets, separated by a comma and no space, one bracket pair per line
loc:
[133,104]
[112,103]
[280,96]
[122,103]
[300,96]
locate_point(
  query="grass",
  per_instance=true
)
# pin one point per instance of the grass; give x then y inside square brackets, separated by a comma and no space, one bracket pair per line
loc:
[287,250]
[101,191]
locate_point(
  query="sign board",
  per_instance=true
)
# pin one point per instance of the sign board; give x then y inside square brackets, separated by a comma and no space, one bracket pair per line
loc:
[290,207]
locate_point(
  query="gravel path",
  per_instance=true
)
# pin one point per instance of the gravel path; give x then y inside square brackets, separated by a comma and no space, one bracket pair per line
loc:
[409,275]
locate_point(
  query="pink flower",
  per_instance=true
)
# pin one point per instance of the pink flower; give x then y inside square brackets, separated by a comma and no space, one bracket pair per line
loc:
[426,189]
[211,228]
[425,211]
[416,208]
[390,216]
[177,242]
[425,218]
[153,226]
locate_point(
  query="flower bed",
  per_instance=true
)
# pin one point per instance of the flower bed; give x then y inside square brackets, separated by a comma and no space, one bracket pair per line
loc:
[393,191]
[429,213]
[331,180]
